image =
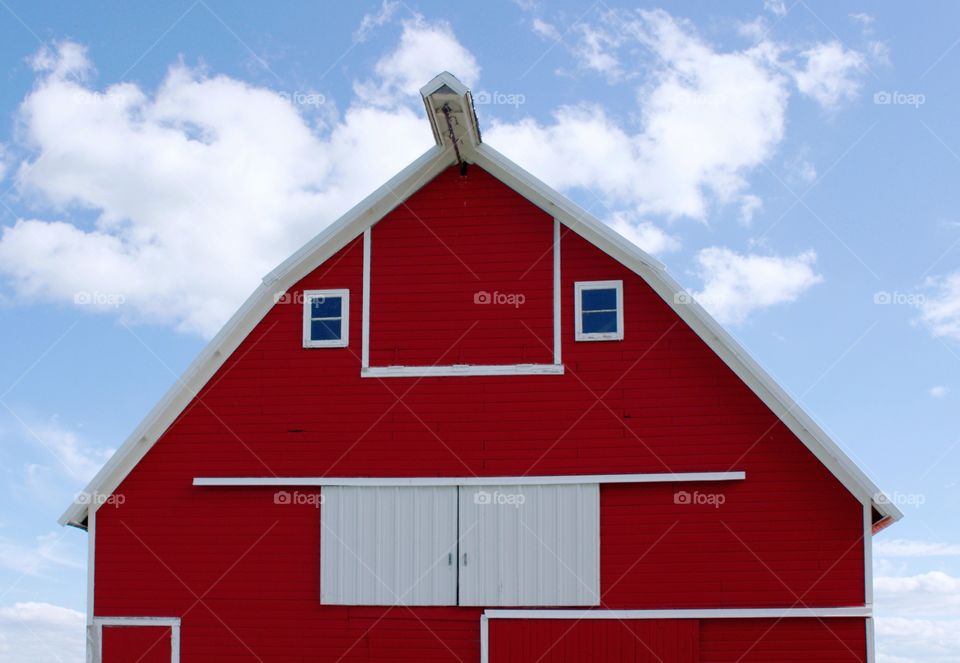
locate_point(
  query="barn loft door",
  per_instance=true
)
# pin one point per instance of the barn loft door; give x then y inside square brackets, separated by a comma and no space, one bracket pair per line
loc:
[530,545]
[388,545]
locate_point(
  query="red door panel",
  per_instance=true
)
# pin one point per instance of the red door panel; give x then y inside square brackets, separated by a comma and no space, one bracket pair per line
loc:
[136,644]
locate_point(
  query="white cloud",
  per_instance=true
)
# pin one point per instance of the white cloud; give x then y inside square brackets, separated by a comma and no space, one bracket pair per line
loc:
[735,285]
[801,170]
[167,205]
[424,47]
[940,307]
[198,189]
[918,617]
[708,118]
[938,391]
[545,29]
[749,206]
[596,50]
[933,593]
[33,632]
[644,234]
[831,73]
[370,22]
[905,640]
[909,548]
[68,59]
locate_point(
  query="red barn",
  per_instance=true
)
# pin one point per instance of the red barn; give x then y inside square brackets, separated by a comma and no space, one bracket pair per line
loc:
[468,422]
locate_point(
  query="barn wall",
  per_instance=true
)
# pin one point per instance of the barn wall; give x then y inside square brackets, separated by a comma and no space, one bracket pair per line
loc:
[241,566]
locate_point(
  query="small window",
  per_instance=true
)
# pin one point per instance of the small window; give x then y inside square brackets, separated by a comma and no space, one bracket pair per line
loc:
[599,310]
[326,316]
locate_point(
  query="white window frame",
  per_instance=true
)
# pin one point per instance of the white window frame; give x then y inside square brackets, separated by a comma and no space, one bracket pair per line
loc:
[344,340]
[578,288]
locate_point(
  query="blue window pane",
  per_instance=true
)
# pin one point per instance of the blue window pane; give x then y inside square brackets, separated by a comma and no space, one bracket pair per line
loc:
[599,323]
[325,330]
[598,300]
[325,307]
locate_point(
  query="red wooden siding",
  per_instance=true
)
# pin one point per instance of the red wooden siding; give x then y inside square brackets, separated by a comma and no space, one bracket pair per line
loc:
[463,278]
[677,641]
[136,644]
[657,401]
[763,640]
[607,640]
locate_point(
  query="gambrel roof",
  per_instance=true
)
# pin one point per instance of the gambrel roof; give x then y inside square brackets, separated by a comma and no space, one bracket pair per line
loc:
[453,120]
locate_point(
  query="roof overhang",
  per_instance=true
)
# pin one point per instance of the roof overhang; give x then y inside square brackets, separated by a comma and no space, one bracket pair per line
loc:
[446,97]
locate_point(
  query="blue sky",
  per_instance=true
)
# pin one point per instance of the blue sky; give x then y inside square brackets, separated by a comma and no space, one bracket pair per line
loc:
[793,164]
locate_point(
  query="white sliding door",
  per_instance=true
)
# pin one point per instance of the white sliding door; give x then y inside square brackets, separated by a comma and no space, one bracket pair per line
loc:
[388,545]
[530,545]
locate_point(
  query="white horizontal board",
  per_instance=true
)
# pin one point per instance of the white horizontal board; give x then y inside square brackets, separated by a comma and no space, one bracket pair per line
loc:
[657,477]
[388,545]
[686,613]
[460,370]
[530,545]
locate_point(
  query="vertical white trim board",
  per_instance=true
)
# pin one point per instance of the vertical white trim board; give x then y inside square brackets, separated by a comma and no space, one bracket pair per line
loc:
[557,296]
[365,316]
[868,554]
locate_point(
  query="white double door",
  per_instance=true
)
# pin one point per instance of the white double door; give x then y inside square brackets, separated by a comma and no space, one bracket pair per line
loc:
[530,545]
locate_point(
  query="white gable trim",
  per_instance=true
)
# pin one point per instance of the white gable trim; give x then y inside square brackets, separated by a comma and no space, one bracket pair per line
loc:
[386,198]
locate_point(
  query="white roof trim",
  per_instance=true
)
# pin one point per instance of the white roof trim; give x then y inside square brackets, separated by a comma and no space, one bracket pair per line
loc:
[379,204]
